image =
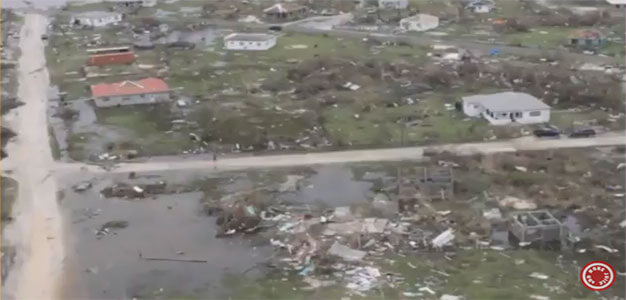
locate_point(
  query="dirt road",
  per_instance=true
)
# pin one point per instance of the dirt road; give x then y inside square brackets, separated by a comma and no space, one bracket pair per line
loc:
[37,229]
[371,155]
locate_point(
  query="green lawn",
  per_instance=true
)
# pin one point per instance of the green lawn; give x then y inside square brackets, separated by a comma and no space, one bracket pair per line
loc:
[145,129]
[384,125]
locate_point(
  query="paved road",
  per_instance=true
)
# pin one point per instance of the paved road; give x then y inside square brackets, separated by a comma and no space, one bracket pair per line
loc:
[36,230]
[372,155]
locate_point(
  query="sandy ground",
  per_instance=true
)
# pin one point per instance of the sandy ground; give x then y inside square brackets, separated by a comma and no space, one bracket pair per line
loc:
[353,156]
[37,229]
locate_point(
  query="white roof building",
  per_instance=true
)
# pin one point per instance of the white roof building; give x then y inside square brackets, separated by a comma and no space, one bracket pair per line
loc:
[249,41]
[507,107]
[419,22]
[96,18]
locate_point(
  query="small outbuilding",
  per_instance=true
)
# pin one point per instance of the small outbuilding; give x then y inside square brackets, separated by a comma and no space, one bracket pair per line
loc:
[419,22]
[96,18]
[508,107]
[249,41]
[282,12]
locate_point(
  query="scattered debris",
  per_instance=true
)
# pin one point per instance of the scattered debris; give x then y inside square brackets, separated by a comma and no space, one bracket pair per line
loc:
[346,253]
[443,238]
[539,276]
[516,203]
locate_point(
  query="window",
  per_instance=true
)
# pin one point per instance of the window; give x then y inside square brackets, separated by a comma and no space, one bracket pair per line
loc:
[535,113]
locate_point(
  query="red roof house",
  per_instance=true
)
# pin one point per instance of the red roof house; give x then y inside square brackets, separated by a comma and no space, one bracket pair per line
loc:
[144,91]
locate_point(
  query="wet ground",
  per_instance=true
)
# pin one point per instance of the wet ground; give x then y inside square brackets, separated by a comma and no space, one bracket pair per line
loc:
[173,226]
[114,266]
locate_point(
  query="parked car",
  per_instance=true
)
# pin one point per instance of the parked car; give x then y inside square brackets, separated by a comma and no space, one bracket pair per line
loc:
[275,28]
[547,131]
[582,133]
[44,37]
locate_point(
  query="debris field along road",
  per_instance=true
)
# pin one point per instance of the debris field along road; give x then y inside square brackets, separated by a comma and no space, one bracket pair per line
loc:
[37,228]
[352,156]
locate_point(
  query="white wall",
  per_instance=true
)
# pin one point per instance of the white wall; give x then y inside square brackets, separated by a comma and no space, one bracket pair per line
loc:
[482,9]
[542,117]
[472,109]
[131,100]
[250,45]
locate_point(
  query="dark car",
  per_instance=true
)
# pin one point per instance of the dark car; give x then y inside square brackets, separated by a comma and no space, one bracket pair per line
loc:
[275,28]
[582,133]
[44,37]
[547,131]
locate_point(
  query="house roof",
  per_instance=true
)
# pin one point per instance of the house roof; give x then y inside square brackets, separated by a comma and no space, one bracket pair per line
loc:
[283,8]
[97,14]
[507,101]
[587,34]
[143,86]
[616,2]
[249,37]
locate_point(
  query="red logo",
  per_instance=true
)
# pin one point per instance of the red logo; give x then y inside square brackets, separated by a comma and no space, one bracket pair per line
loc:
[597,276]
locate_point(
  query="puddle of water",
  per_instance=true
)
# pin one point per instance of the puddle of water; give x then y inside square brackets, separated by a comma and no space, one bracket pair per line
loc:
[331,186]
[110,268]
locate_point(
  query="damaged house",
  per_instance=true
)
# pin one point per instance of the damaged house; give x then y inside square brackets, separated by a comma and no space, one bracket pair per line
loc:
[480,6]
[144,91]
[436,183]
[110,56]
[587,39]
[249,41]
[96,18]
[282,12]
[419,22]
[507,107]
[133,3]
[393,4]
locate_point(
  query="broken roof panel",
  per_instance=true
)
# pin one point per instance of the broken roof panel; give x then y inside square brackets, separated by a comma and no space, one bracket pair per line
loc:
[125,88]
[507,101]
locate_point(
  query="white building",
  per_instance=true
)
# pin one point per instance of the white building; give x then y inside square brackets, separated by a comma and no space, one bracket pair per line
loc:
[96,18]
[419,22]
[617,3]
[507,107]
[249,41]
[393,4]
